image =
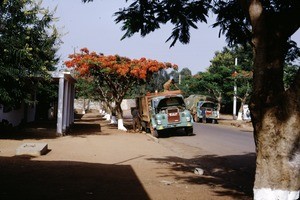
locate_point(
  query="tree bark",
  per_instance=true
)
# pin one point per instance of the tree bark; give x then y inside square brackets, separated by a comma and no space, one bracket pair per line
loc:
[120,117]
[275,115]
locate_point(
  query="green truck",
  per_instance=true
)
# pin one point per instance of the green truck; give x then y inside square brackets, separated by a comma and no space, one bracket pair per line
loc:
[164,111]
[203,108]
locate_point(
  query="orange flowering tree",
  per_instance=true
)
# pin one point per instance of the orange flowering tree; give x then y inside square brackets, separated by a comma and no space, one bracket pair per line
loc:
[114,75]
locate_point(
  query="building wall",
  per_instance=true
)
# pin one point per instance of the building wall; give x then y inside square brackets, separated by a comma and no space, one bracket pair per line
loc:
[31,110]
[80,105]
[126,106]
[13,117]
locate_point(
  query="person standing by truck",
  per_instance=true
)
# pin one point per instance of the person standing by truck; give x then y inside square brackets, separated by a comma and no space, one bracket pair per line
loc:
[167,85]
[136,123]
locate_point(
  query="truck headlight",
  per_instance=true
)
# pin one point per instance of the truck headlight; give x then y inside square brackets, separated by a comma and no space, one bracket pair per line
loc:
[158,122]
[188,119]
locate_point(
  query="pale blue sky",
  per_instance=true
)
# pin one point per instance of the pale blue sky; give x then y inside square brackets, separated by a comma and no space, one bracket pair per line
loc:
[92,25]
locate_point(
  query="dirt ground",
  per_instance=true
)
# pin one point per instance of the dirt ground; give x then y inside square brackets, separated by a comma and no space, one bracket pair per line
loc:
[97,161]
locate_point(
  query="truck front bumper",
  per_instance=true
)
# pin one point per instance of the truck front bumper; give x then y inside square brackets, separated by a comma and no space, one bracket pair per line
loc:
[170,126]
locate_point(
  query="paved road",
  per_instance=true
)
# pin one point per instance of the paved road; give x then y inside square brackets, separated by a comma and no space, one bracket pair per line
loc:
[225,153]
[218,140]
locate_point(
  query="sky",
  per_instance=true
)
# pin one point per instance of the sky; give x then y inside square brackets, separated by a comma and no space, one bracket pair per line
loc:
[92,25]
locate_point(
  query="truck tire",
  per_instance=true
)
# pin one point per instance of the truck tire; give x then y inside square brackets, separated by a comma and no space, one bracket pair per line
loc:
[155,133]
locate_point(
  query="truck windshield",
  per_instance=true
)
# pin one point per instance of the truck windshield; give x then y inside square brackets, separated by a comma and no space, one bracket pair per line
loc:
[171,101]
[208,105]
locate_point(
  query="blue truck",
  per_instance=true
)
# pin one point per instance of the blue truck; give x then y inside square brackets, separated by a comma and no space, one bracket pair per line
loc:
[203,108]
[163,112]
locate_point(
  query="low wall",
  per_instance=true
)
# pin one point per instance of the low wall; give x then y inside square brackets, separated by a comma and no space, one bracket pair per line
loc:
[15,117]
[97,106]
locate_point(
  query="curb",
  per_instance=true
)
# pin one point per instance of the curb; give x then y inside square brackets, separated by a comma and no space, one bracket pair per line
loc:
[152,138]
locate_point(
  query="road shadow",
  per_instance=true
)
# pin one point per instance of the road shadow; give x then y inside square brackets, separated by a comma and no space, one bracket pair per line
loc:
[174,133]
[42,129]
[80,129]
[46,129]
[235,173]
[23,178]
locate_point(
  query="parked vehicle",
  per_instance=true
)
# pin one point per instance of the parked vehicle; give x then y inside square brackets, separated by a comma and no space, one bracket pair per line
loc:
[203,108]
[164,111]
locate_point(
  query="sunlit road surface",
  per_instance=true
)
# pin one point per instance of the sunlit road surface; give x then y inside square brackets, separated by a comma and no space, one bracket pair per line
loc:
[218,140]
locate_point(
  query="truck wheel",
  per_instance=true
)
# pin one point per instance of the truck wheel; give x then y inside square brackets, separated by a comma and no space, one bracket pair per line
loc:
[214,121]
[155,133]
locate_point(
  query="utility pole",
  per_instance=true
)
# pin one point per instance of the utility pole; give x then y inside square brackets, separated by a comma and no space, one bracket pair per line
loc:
[234,91]
[179,79]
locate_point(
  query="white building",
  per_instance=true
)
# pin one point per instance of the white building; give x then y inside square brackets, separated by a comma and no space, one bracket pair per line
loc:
[65,105]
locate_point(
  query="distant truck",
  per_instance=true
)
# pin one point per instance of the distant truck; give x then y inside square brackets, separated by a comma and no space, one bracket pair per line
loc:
[203,108]
[164,111]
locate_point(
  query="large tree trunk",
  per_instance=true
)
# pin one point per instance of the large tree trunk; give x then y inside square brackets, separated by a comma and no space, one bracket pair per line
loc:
[120,117]
[276,121]
[275,114]
[278,155]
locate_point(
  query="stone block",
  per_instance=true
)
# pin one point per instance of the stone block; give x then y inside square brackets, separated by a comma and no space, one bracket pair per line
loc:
[32,149]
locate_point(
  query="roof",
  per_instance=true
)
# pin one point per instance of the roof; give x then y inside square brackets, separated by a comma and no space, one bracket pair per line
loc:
[60,74]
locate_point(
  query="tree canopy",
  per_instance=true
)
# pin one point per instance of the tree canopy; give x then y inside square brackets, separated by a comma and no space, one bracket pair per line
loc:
[27,48]
[115,75]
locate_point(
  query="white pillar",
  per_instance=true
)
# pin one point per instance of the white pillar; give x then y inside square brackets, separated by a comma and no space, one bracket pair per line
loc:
[234,91]
[234,100]
[68,104]
[59,125]
[65,106]
[72,102]
[66,94]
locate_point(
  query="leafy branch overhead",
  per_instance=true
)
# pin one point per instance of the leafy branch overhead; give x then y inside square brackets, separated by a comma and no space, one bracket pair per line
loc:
[147,16]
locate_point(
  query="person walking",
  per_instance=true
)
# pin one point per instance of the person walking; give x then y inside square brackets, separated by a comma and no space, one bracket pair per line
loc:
[136,125]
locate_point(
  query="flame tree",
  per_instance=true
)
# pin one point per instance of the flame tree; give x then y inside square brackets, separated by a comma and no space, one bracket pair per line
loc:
[114,75]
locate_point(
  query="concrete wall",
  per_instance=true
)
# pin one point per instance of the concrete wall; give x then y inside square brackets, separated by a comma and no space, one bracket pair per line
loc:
[126,106]
[89,105]
[15,117]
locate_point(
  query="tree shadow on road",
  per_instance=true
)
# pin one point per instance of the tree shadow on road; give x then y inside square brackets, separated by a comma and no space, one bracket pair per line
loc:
[23,178]
[234,174]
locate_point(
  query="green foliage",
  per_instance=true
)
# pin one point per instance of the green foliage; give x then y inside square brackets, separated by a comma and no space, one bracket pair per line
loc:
[85,88]
[157,81]
[218,81]
[289,74]
[185,72]
[27,48]
[146,17]
[233,18]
